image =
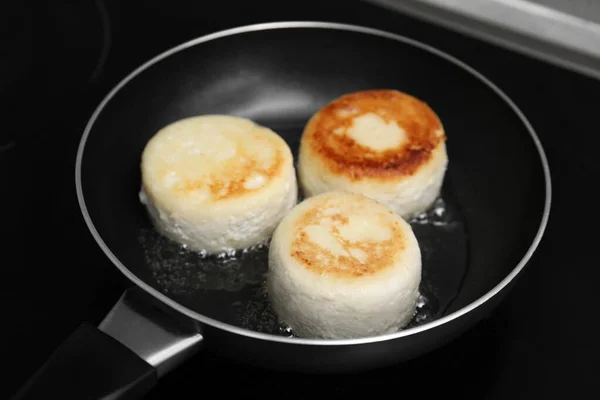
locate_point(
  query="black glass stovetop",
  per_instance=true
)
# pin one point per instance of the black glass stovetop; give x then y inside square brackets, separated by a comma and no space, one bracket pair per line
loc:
[62,57]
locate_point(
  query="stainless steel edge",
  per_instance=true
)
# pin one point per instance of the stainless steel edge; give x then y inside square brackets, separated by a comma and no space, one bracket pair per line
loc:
[269,337]
[545,33]
[151,333]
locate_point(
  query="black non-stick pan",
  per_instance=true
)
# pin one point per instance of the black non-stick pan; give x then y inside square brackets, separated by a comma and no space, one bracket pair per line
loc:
[475,241]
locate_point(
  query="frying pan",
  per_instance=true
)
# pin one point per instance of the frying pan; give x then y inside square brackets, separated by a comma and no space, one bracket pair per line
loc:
[475,241]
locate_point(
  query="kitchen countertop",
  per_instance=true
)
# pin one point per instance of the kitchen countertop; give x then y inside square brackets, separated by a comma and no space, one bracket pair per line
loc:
[537,343]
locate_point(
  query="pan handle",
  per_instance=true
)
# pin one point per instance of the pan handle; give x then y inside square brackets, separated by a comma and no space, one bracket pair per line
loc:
[123,358]
[91,365]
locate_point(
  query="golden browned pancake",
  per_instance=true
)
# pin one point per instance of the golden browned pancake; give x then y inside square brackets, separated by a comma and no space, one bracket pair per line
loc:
[343,265]
[384,144]
[217,182]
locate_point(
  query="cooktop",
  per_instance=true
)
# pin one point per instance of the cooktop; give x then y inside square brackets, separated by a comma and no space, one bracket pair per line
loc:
[63,57]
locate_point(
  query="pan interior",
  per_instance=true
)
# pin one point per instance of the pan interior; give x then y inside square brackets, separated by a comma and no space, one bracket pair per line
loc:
[492,201]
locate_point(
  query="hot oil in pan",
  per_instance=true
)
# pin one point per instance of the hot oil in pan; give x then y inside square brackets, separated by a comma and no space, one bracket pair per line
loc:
[230,287]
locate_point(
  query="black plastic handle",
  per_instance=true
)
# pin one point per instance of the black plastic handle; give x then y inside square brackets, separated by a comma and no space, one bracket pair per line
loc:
[90,365]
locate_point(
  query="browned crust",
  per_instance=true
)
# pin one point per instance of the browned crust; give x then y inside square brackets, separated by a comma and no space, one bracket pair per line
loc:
[343,156]
[379,255]
[229,182]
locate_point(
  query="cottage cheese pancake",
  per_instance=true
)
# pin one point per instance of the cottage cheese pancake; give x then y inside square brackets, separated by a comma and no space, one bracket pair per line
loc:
[217,182]
[342,265]
[383,144]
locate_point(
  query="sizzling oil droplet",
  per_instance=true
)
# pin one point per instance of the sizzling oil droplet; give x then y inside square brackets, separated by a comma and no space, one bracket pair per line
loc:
[421,301]
[437,215]
[285,330]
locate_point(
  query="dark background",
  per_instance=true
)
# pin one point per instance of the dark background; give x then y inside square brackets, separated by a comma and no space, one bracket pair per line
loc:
[54,71]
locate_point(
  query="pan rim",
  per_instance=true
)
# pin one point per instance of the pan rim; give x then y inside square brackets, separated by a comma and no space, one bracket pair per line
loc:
[332,26]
